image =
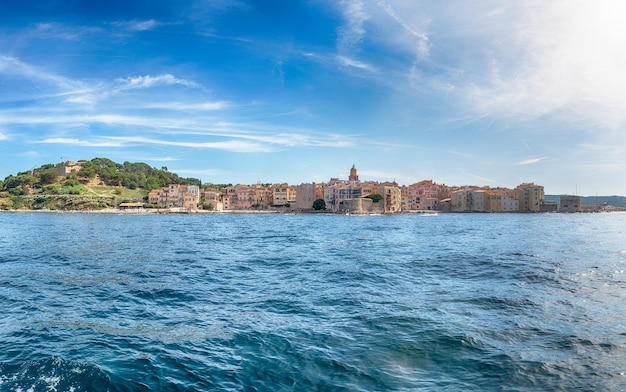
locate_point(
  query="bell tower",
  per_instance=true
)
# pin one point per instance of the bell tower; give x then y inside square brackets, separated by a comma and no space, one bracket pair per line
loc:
[353,174]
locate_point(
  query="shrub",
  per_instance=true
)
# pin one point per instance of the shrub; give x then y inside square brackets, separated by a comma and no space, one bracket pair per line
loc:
[375,197]
[319,204]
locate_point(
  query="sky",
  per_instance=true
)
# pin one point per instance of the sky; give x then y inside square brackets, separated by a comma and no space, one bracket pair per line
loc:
[493,93]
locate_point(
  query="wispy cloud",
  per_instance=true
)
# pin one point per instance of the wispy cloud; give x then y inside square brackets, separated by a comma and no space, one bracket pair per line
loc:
[423,46]
[155,159]
[61,31]
[352,32]
[79,142]
[231,145]
[566,61]
[530,161]
[252,136]
[199,172]
[136,25]
[202,106]
[294,139]
[3,136]
[151,81]
[61,118]
[126,141]
[14,67]
[56,30]
[348,62]
[487,180]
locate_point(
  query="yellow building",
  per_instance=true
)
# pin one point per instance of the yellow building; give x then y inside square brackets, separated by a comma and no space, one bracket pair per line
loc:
[176,195]
[530,197]
[354,177]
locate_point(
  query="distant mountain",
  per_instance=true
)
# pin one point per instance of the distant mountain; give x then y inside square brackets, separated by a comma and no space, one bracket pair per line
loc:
[617,201]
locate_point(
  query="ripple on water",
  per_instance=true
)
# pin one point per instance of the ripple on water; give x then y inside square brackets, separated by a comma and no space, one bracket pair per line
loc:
[307,302]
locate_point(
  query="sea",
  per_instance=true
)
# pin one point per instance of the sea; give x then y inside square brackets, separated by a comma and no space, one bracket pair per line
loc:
[308,302]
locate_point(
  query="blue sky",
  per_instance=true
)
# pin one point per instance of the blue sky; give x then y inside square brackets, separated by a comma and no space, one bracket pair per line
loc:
[484,92]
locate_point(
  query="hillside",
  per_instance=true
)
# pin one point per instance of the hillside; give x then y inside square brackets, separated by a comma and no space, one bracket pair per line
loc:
[84,185]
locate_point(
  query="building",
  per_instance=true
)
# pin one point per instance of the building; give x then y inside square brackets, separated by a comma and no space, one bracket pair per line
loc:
[477,200]
[130,206]
[306,194]
[337,191]
[64,169]
[213,198]
[354,177]
[392,196]
[530,197]
[458,201]
[283,195]
[569,203]
[363,205]
[176,196]
[509,204]
[423,195]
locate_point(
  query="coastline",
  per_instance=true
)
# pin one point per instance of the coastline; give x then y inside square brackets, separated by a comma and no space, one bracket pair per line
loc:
[148,211]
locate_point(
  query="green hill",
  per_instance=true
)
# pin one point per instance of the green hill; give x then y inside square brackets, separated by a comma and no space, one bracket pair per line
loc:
[84,185]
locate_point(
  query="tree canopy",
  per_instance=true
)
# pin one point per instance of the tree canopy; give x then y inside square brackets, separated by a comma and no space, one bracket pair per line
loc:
[319,204]
[375,197]
[129,175]
[132,175]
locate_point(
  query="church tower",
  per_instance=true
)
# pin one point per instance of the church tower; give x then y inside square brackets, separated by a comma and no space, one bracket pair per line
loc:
[353,174]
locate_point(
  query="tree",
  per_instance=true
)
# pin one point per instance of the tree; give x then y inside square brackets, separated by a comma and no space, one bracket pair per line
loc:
[319,204]
[11,182]
[375,197]
[48,178]
[18,191]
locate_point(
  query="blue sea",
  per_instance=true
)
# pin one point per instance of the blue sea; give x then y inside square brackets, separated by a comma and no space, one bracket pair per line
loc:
[245,302]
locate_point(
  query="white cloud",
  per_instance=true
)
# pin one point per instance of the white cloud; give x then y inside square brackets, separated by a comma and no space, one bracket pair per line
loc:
[295,139]
[14,67]
[61,31]
[488,181]
[232,145]
[199,172]
[530,161]
[202,106]
[3,136]
[348,62]
[139,25]
[422,46]
[352,32]
[564,58]
[151,81]
[88,99]
[264,134]
[126,27]
[156,159]
[53,30]
[124,141]
[561,60]
[79,142]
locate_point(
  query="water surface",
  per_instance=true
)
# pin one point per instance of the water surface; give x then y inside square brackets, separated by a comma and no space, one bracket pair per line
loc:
[106,302]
